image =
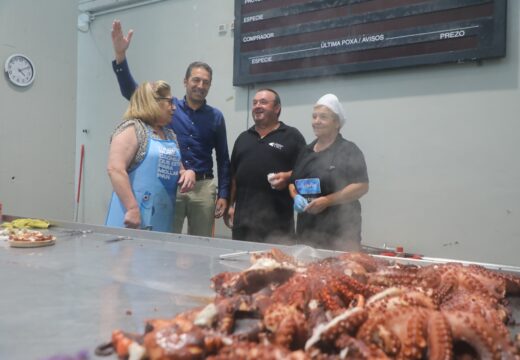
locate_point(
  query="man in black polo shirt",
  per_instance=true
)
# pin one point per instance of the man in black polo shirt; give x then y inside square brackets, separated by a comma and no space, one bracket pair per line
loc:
[262,210]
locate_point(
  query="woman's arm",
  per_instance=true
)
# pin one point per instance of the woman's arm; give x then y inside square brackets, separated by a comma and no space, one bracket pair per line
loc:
[123,149]
[348,194]
[292,190]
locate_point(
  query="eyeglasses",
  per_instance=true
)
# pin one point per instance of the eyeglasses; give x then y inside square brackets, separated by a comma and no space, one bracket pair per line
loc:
[169,99]
[262,102]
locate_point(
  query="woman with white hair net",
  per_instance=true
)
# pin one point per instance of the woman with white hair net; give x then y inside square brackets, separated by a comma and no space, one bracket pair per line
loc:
[329,177]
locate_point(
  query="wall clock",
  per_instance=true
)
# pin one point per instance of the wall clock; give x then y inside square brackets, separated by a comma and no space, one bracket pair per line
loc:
[19,70]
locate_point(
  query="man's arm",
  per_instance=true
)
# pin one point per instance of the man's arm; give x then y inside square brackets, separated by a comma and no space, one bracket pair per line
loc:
[222,155]
[280,180]
[230,214]
[223,168]
[126,82]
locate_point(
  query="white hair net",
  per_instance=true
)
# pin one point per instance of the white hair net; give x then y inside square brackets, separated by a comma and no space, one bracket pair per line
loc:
[331,101]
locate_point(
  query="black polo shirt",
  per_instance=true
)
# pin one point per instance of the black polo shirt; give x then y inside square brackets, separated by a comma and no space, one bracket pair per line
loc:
[339,165]
[260,209]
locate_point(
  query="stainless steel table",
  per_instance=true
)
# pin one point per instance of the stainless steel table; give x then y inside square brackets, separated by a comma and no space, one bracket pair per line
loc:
[68,297]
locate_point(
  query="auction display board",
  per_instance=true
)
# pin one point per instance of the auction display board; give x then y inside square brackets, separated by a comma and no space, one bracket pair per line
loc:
[277,40]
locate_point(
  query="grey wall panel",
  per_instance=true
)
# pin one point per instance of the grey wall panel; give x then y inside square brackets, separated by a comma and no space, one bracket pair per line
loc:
[37,124]
[440,141]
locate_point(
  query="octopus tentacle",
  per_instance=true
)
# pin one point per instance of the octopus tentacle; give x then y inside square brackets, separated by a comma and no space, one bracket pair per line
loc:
[370,263]
[346,323]
[295,291]
[398,297]
[287,323]
[357,301]
[227,308]
[352,348]
[465,327]
[512,283]
[439,337]
[262,273]
[292,332]
[490,308]
[351,307]
[400,332]
[275,254]
[415,341]
[123,344]
[393,277]
[477,282]
[330,299]
[251,350]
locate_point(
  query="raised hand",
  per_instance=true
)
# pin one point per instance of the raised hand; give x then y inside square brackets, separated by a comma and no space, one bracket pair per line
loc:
[120,42]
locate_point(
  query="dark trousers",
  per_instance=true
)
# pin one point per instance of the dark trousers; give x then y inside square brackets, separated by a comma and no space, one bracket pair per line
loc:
[263,234]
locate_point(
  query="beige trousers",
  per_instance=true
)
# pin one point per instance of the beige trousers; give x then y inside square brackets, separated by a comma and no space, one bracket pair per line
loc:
[198,206]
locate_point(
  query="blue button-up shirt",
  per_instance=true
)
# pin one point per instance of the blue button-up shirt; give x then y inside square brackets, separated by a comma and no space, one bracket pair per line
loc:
[198,132]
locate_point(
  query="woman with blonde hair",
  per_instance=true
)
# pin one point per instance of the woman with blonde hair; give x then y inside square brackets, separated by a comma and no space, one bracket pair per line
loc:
[144,162]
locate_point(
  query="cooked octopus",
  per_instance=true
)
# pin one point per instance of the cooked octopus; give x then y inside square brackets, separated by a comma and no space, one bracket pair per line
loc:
[350,307]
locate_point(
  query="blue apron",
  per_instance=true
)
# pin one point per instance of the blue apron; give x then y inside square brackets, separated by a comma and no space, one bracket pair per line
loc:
[154,184]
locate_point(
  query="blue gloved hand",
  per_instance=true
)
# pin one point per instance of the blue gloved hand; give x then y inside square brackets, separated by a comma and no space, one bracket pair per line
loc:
[300,203]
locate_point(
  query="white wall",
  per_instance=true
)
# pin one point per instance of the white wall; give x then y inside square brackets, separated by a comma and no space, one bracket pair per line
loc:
[37,124]
[440,141]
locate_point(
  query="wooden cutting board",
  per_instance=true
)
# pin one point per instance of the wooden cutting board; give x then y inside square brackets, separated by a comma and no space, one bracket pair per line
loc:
[31,244]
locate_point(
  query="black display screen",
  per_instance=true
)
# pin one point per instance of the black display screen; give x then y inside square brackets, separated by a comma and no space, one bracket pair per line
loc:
[289,39]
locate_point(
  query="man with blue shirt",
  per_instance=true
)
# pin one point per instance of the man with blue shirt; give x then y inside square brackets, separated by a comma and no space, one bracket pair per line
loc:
[200,128]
